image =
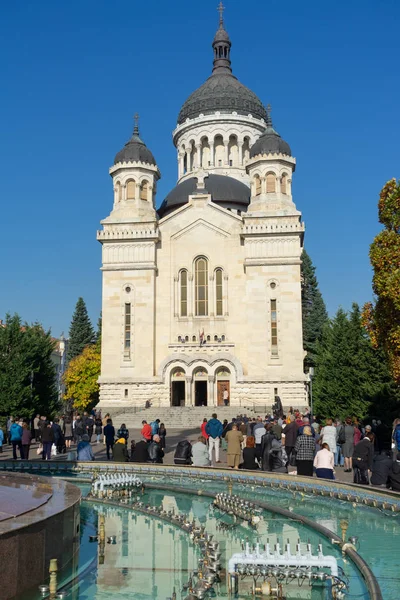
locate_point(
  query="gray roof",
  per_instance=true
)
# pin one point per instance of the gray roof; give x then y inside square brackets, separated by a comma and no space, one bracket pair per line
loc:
[227,191]
[135,150]
[222,91]
[270,142]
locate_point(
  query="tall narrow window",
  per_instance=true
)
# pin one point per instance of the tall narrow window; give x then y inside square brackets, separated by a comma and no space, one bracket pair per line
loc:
[274,329]
[201,287]
[184,294]
[270,183]
[127,328]
[130,190]
[219,308]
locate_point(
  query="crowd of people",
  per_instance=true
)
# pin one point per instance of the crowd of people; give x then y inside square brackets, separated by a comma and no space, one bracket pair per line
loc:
[274,443]
[371,451]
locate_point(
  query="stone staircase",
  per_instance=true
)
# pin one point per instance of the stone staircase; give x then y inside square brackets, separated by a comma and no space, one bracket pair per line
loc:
[184,417]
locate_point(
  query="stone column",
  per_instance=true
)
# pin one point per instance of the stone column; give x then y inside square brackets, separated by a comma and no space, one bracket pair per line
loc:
[240,145]
[188,391]
[188,160]
[263,185]
[137,191]
[198,148]
[181,166]
[210,392]
[212,155]
[226,146]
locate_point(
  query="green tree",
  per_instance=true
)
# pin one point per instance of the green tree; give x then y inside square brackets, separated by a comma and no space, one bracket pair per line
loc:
[27,372]
[81,377]
[350,375]
[382,319]
[313,308]
[81,332]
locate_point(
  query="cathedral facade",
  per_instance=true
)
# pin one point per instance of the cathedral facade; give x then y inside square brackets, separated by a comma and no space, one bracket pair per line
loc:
[202,297]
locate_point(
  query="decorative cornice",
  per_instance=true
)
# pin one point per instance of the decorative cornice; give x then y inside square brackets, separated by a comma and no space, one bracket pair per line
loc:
[110,234]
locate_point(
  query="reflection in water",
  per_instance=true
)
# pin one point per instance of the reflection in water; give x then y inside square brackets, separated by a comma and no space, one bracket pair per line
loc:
[151,559]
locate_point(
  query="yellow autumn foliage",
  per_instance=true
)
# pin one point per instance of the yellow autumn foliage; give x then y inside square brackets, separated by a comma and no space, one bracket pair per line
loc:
[80,378]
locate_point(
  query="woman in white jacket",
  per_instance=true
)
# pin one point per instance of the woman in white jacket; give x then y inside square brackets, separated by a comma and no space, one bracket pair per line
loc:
[324,463]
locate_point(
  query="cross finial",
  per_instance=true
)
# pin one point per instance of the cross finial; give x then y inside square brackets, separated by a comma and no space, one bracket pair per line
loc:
[221,9]
[136,121]
[269,120]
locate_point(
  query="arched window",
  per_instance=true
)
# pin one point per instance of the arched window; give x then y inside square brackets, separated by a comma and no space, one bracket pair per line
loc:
[270,183]
[258,186]
[130,190]
[143,190]
[184,294]
[284,184]
[201,287]
[219,308]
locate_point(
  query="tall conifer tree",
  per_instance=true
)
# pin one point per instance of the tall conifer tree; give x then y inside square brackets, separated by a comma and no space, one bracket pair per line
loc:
[350,375]
[313,308]
[81,332]
[27,372]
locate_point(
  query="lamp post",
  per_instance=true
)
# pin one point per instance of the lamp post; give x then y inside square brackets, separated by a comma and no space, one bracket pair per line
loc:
[311,375]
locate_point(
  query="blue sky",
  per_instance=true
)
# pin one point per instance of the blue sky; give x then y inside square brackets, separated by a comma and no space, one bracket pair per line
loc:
[73,74]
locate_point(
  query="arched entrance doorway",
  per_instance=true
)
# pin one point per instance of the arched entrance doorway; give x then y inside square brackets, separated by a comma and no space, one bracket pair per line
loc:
[200,379]
[178,390]
[223,378]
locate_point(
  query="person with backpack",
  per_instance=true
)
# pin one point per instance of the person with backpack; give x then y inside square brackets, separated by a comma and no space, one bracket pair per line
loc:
[183,453]
[123,432]
[155,426]
[16,439]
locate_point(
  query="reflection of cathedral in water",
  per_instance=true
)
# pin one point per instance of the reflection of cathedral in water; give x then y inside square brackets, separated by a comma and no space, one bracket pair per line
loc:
[151,558]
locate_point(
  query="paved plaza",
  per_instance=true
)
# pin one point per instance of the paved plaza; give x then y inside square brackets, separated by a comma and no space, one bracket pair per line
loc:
[173,437]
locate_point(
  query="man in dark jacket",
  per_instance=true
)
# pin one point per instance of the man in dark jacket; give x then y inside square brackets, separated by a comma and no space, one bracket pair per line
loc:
[394,474]
[362,459]
[380,470]
[156,453]
[183,453]
[141,452]
[109,436]
[80,429]
[290,433]
[214,431]
[58,435]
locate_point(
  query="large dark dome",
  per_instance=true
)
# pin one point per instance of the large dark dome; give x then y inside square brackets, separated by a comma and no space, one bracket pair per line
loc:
[135,150]
[222,91]
[226,191]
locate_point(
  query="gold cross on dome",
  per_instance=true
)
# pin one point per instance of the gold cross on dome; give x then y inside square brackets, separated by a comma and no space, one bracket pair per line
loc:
[221,9]
[136,118]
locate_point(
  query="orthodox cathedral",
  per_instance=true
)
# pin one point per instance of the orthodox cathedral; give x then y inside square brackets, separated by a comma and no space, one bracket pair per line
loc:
[202,297]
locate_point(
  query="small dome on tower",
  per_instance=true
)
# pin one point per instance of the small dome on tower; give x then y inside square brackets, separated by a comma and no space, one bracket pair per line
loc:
[270,141]
[135,150]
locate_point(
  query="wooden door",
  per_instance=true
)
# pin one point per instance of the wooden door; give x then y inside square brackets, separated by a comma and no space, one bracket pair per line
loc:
[221,387]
